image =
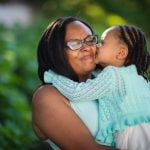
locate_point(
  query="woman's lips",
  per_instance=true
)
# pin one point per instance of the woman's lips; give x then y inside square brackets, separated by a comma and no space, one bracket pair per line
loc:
[87,57]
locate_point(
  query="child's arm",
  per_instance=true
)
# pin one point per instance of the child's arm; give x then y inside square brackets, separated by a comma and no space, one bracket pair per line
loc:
[149,84]
[93,89]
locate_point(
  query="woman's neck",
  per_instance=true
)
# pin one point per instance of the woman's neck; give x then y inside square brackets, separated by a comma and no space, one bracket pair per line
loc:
[83,78]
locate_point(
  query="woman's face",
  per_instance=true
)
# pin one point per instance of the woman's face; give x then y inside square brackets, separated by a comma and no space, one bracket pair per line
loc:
[82,60]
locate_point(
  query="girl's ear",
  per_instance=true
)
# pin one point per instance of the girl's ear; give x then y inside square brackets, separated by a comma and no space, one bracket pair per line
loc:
[122,53]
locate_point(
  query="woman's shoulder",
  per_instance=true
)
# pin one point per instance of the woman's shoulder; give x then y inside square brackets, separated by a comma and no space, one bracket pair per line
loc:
[46,94]
[44,98]
[44,89]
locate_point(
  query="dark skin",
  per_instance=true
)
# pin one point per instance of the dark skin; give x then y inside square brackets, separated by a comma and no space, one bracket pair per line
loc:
[52,116]
[72,128]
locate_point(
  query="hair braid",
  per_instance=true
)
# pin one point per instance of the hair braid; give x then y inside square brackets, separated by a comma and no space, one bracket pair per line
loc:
[124,38]
[133,39]
[138,55]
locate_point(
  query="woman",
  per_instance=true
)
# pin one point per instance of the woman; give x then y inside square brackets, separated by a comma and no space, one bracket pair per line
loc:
[54,117]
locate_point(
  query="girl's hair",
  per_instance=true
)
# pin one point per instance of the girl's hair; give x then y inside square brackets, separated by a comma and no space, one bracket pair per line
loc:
[51,53]
[138,55]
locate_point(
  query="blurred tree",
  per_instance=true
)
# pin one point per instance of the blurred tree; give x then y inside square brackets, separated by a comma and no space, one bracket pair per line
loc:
[100,12]
[135,11]
[96,11]
[18,80]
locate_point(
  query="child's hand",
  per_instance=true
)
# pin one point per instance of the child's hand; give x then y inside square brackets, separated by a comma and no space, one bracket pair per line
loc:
[49,75]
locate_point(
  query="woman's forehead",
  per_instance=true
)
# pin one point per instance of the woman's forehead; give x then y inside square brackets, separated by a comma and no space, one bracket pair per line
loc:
[77,30]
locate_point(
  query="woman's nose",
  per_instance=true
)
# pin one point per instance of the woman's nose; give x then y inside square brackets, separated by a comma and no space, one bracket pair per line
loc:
[86,47]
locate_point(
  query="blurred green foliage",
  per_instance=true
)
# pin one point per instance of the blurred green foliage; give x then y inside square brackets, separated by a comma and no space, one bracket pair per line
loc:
[98,11]
[18,58]
[18,80]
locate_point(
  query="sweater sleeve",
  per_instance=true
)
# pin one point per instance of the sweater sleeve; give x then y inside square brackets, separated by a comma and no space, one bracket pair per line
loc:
[103,85]
[149,85]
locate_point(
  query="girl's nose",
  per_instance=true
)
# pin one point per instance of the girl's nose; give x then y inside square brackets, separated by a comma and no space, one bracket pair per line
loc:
[98,45]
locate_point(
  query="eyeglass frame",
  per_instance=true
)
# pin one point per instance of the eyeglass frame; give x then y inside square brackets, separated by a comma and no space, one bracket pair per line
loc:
[82,42]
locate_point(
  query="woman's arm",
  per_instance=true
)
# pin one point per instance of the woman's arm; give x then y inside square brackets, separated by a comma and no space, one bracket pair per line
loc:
[53,118]
[102,85]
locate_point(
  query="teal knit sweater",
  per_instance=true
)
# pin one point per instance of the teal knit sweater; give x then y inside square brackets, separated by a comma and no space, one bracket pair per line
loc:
[123,96]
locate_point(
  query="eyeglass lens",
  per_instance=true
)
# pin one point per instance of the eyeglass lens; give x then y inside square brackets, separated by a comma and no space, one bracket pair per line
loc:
[76,44]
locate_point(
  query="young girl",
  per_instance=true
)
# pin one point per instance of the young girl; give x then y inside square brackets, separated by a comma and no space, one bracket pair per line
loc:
[122,89]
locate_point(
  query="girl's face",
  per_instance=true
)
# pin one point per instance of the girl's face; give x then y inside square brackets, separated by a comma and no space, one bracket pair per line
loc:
[108,48]
[82,60]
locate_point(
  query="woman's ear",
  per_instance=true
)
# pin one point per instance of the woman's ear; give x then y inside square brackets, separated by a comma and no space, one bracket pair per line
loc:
[122,53]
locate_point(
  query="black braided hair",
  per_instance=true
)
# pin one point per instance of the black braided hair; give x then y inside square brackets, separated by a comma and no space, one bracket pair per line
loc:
[138,55]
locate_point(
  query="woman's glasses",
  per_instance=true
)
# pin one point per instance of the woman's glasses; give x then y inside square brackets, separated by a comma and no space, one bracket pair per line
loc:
[76,43]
